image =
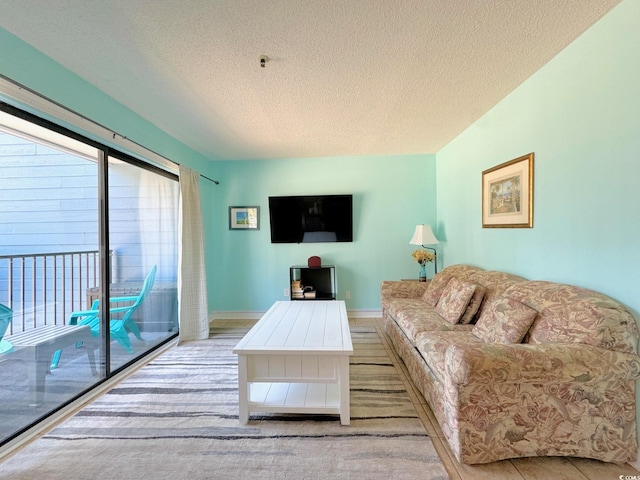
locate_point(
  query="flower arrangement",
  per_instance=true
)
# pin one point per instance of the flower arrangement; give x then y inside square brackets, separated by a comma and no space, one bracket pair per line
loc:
[422,256]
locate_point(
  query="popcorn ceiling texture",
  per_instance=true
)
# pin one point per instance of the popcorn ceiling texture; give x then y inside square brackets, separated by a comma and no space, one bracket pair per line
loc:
[351,77]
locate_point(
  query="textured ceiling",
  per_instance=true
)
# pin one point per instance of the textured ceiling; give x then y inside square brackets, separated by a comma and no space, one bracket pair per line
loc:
[345,77]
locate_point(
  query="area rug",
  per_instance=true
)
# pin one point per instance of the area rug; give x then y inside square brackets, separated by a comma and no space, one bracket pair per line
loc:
[177,418]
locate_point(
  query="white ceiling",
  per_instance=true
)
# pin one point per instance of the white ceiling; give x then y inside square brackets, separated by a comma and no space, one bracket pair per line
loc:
[345,77]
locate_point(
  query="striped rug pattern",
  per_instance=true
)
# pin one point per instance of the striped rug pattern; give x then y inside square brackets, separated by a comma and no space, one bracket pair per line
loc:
[177,418]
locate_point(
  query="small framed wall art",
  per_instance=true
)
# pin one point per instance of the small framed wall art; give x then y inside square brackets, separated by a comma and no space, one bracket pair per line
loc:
[507,194]
[244,218]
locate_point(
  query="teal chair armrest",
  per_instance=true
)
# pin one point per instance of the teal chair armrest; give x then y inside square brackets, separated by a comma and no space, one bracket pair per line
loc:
[73,319]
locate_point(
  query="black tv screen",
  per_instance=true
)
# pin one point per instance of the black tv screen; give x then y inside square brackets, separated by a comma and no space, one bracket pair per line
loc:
[311,219]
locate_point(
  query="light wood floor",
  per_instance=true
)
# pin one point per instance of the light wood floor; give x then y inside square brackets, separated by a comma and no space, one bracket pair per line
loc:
[538,468]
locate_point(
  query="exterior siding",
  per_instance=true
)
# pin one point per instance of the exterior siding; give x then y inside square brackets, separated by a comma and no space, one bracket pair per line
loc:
[49,204]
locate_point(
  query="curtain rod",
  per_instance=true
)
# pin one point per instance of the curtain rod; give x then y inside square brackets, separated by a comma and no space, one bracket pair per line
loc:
[210,179]
[25,95]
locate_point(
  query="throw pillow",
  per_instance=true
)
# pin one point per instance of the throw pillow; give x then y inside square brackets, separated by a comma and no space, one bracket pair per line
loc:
[474,305]
[504,321]
[435,288]
[454,300]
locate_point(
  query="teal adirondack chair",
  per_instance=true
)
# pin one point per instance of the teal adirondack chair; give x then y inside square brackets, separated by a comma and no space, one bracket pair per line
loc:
[118,328]
[6,315]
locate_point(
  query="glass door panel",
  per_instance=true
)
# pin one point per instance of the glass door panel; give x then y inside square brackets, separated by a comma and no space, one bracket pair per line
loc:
[143,238]
[49,262]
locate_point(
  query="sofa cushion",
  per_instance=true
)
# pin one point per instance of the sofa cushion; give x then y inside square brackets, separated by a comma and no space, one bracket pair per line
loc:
[435,288]
[454,300]
[495,283]
[474,305]
[413,317]
[397,306]
[433,348]
[504,321]
[439,282]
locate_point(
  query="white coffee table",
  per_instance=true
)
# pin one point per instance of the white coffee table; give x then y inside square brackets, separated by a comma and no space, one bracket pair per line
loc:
[296,360]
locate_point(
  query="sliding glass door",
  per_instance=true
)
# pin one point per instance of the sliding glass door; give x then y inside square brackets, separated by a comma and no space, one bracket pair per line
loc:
[88,262]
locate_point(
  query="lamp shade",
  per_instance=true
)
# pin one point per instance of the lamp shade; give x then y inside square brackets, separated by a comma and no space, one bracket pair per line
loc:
[423,236]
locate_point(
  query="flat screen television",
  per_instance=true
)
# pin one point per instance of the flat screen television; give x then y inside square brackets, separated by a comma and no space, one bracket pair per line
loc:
[311,218]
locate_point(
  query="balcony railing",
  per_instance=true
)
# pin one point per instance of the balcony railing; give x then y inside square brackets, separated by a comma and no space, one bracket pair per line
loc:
[44,288]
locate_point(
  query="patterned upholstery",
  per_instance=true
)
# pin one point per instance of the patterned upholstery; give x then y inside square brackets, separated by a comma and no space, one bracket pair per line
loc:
[432,346]
[571,314]
[567,390]
[440,281]
[504,321]
[408,289]
[474,305]
[454,300]
[413,318]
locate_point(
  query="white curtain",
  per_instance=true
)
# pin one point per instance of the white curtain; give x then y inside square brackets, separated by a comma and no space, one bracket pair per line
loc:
[192,280]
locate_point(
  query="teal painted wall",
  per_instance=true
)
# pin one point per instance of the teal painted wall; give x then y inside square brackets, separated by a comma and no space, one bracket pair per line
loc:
[580,115]
[391,195]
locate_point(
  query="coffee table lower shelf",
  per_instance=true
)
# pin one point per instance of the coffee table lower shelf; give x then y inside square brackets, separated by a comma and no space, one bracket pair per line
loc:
[296,397]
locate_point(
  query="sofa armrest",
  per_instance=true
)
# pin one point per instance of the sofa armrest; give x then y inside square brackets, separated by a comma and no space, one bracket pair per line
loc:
[485,363]
[402,289]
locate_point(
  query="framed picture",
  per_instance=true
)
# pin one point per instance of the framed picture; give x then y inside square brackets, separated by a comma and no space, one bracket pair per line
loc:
[244,218]
[507,194]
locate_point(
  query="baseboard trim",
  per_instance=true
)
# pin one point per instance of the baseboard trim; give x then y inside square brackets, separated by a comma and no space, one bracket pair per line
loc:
[364,313]
[256,315]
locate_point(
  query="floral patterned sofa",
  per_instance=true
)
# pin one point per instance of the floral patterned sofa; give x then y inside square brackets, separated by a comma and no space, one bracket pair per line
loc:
[516,368]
